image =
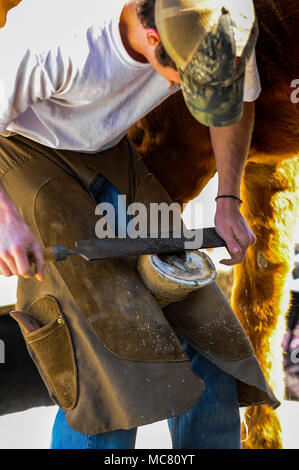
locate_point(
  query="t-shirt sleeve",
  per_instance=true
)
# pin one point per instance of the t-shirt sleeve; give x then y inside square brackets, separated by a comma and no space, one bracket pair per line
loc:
[24,81]
[32,69]
[253,87]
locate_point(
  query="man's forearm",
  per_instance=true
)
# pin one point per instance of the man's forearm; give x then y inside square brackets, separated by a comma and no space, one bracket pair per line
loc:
[231,145]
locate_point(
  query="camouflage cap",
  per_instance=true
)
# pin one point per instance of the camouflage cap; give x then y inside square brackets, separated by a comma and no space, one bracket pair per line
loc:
[210,42]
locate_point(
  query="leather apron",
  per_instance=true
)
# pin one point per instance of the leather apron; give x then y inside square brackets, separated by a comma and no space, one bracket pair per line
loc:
[106,351]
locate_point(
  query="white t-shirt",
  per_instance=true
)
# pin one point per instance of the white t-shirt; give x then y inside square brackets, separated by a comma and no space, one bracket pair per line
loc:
[67,81]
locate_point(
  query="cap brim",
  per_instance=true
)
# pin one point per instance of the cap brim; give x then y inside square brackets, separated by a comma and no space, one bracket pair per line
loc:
[214,106]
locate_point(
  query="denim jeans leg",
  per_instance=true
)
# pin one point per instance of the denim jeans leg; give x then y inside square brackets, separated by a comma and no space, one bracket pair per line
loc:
[64,437]
[214,422]
[104,191]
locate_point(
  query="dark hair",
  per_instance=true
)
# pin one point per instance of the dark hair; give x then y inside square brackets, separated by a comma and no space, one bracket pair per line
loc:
[146,14]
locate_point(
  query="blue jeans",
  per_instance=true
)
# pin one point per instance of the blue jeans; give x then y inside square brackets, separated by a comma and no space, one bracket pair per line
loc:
[213,423]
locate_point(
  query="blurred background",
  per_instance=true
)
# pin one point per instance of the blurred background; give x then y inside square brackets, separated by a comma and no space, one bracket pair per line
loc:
[31,429]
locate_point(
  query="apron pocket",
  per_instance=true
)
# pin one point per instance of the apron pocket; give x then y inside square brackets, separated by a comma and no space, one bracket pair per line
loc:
[52,351]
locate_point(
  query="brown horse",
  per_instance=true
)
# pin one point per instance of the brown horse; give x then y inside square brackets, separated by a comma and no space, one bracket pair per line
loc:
[178,151]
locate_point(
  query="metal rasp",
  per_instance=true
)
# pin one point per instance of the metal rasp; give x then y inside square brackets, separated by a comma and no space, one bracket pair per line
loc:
[108,248]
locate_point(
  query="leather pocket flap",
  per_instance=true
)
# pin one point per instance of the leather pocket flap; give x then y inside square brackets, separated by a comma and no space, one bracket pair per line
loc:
[50,346]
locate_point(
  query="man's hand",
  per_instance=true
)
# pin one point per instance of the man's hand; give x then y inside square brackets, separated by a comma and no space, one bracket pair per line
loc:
[19,248]
[233,228]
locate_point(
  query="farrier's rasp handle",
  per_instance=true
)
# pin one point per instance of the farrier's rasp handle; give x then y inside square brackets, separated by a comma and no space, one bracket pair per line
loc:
[55,253]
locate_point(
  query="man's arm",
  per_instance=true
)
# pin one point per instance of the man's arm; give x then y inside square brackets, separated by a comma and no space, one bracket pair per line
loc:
[231,145]
[18,246]
[29,74]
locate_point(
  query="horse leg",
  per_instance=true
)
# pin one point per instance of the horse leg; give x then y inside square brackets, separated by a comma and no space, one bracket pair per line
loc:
[260,296]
